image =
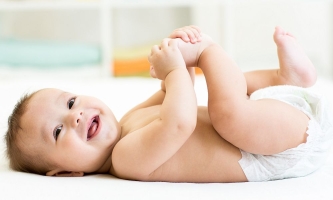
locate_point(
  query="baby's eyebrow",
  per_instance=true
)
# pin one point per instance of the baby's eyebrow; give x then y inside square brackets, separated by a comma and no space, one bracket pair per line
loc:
[61,96]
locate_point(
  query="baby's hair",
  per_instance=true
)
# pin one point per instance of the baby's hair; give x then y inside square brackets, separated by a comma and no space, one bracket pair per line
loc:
[19,159]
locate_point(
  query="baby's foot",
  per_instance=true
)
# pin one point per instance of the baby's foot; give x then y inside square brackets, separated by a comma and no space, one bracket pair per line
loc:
[295,67]
[191,52]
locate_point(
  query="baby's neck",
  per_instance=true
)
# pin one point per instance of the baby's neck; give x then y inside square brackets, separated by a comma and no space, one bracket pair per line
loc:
[105,168]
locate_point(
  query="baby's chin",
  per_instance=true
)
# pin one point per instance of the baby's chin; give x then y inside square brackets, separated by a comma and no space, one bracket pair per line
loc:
[115,137]
[113,130]
[110,138]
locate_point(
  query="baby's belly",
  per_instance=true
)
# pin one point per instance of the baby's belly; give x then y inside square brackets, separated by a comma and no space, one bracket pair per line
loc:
[205,157]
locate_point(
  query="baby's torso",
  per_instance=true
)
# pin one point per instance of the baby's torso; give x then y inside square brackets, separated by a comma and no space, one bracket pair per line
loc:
[205,156]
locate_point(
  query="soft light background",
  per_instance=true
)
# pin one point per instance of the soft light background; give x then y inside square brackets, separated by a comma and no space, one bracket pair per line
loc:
[72,45]
[244,28]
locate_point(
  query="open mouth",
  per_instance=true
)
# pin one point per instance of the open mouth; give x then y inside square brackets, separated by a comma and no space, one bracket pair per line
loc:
[93,127]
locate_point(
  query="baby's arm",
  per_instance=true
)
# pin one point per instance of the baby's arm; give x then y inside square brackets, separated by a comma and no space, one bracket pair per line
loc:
[186,34]
[140,153]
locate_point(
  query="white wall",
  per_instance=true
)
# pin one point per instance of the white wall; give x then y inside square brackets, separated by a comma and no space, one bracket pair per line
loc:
[64,25]
[139,26]
[310,22]
[244,28]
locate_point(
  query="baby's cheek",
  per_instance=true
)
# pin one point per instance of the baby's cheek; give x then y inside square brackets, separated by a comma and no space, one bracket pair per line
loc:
[72,143]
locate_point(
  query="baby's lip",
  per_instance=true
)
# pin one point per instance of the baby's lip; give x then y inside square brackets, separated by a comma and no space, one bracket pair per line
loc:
[93,127]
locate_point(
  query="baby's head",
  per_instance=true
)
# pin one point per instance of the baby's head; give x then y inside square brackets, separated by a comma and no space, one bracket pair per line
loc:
[52,132]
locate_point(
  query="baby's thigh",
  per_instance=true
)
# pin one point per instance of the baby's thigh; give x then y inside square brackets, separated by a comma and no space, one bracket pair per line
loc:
[266,126]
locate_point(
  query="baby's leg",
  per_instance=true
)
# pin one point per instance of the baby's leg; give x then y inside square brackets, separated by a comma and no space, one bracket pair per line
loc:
[264,126]
[191,52]
[295,67]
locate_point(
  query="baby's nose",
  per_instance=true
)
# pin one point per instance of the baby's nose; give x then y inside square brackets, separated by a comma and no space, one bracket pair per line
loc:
[76,117]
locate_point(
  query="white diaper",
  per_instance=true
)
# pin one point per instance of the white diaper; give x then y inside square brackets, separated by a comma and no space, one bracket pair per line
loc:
[305,158]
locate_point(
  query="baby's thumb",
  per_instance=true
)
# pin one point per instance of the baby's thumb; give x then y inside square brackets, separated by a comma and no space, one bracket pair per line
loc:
[152,72]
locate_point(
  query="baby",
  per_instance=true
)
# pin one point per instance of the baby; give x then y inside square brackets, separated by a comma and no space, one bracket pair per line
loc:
[279,132]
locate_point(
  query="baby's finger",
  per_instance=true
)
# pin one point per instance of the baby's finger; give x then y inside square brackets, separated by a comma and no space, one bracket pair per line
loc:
[154,49]
[194,33]
[197,32]
[165,43]
[149,58]
[173,43]
[152,72]
[196,28]
[178,33]
[191,35]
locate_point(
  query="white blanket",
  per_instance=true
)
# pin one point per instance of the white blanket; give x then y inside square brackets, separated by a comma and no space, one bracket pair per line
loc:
[121,94]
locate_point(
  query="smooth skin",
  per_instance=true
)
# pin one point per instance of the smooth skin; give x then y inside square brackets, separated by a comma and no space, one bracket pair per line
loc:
[262,127]
[208,154]
[167,137]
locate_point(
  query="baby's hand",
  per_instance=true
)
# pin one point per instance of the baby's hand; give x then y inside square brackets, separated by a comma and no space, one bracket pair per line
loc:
[187,34]
[165,58]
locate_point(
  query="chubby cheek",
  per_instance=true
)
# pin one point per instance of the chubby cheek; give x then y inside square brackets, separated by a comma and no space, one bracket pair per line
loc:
[77,156]
[72,145]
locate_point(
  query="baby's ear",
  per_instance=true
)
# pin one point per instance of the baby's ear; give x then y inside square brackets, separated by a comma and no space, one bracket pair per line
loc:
[64,173]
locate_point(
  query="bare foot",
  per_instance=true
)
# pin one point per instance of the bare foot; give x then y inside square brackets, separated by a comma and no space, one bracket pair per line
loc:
[295,67]
[191,51]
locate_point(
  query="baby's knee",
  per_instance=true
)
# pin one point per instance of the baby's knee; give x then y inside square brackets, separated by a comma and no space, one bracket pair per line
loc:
[225,119]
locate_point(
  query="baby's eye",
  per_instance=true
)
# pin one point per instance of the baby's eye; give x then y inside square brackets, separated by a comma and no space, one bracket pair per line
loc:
[57,131]
[71,103]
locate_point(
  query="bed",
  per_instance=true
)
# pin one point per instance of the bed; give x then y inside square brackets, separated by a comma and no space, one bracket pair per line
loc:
[114,92]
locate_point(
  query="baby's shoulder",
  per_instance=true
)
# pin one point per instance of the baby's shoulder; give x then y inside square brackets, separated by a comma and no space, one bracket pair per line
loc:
[139,118]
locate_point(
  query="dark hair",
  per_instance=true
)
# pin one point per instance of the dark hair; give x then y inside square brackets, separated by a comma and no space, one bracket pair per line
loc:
[20,160]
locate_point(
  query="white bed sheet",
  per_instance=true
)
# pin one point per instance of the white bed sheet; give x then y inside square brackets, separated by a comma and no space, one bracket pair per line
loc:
[121,94]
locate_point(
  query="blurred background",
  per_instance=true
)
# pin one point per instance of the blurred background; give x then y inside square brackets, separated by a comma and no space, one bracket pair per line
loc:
[112,38]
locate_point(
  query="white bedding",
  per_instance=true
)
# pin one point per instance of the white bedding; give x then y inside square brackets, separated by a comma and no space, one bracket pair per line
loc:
[121,94]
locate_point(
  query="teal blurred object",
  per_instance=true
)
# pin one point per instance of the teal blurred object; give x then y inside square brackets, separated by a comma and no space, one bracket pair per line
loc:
[45,54]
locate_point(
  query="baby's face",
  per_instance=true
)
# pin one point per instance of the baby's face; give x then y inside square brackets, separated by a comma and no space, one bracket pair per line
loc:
[77,133]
